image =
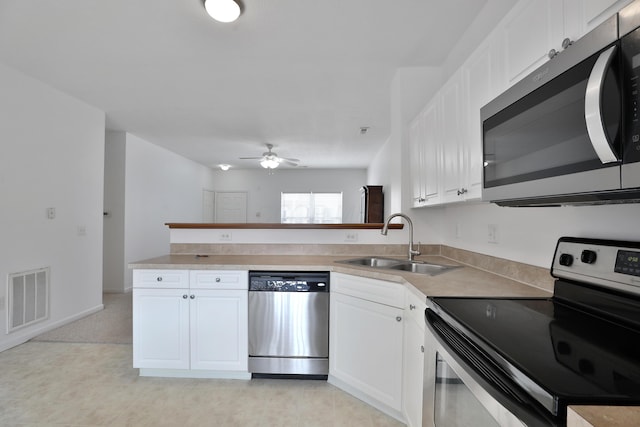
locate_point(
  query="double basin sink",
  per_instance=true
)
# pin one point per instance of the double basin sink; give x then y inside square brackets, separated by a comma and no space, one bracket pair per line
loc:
[419,267]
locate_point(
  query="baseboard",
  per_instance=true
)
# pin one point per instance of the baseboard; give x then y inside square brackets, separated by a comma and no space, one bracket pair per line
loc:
[46,327]
[193,373]
[342,385]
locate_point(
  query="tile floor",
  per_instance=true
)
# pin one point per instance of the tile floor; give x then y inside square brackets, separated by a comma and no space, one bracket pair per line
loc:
[93,384]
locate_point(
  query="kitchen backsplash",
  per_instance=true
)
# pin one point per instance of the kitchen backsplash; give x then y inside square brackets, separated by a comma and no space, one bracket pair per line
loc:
[525,273]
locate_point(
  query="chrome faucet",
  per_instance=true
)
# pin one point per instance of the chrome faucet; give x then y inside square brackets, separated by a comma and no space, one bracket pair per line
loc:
[385,228]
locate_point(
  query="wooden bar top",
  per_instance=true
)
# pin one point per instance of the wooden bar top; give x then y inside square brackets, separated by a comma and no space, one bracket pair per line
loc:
[274,225]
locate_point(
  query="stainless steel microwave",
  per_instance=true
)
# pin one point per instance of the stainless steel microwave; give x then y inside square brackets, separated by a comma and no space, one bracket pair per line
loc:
[569,133]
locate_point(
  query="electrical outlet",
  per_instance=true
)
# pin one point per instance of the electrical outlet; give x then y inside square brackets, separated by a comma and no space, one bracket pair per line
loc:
[51,213]
[81,230]
[492,233]
[351,237]
[225,236]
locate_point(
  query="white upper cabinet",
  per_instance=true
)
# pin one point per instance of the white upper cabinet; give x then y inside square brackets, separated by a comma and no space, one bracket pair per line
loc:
[416,160]
[528,33]
[424,150]
[480,81]
[535,28]
[452,125]
[583,16]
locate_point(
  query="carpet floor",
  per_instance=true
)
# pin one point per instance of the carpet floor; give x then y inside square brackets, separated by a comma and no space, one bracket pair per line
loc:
[109,326]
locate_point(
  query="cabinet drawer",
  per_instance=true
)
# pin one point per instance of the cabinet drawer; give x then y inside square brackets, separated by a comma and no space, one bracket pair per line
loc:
[219,279]
[164,279]
[380,291]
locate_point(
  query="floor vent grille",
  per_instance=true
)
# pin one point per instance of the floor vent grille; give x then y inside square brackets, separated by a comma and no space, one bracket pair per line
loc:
[28,300]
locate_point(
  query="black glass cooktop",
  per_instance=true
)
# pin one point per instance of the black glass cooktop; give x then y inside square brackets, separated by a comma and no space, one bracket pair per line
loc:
[558,353]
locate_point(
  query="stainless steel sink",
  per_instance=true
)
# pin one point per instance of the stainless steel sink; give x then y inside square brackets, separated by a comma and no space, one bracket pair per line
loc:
[373,262]
[423,268]
[419,267]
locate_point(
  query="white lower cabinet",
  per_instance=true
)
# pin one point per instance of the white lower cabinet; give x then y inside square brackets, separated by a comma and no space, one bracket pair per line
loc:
[366,340]
[161,328]
[412,376]
[190,331]
[219,330]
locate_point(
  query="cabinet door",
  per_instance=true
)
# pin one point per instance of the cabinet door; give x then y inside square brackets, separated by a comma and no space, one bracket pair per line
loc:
[529,31]
[412,386]
[432,152]
[478,91]
[160,328]
[219,330]
[366,347]
[594,12]
[452,122]
[416,161]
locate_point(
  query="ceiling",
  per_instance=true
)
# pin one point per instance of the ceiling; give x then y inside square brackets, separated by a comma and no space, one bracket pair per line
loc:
[303,75]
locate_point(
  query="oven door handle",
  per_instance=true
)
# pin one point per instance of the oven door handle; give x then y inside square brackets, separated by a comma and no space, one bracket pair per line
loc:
[593,108]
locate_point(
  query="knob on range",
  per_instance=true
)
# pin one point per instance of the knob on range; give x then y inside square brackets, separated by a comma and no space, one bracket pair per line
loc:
[566,260]
[588,256]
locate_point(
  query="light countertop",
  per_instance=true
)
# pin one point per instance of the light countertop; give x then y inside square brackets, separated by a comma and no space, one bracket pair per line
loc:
[603,416]
[465,281]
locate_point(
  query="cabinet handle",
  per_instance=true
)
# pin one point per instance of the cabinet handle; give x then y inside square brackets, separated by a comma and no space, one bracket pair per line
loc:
[462,191]
[412,307]
[422,348]
[552,53]
[398,318]
[192,297]
[159,279]
[217,279]
[566,43]
[185,296]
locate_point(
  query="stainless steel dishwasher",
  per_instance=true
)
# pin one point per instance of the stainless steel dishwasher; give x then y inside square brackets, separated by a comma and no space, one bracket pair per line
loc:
[289,323]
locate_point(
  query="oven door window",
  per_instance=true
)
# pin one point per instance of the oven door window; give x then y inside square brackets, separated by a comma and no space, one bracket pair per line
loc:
[544,134]
[455,405]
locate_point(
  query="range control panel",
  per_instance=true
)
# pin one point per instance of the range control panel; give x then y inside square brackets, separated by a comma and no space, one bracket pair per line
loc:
[611,263]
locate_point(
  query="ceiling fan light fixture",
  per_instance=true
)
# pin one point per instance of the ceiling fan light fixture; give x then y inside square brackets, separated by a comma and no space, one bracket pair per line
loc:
[222,10]
[269,163]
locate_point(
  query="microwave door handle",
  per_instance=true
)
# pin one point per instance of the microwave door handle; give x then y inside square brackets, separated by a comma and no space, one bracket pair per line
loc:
[593,108]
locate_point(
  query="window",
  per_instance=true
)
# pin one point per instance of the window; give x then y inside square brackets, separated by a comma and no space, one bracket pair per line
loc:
[311,208]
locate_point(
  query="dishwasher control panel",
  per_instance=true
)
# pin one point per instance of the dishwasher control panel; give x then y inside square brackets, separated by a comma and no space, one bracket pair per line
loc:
[277,281]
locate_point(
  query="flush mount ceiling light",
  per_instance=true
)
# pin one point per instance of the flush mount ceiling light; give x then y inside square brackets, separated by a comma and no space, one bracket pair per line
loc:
[222,10]
[224,167]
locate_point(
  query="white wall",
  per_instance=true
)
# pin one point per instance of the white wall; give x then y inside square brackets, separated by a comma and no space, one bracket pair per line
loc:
[529,235]
[263,199]
[52,156]
[160,187]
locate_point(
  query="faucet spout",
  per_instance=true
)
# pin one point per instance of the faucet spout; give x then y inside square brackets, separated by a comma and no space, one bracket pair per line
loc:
[385,229]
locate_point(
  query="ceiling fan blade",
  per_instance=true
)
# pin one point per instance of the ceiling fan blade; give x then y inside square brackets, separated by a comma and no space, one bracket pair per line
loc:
[289,162]
[290,159]
[250,158]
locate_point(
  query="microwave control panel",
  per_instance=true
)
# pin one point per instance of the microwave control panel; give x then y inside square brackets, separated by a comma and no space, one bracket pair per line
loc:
[630,46]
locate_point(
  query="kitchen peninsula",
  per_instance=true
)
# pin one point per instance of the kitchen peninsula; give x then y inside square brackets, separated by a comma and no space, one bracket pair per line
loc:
[359,295]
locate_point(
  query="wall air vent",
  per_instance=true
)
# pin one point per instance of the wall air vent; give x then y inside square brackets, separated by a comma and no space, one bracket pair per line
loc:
[28,298]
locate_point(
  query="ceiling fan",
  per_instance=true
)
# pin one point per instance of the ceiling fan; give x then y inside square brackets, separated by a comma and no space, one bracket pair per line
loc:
[271,160]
